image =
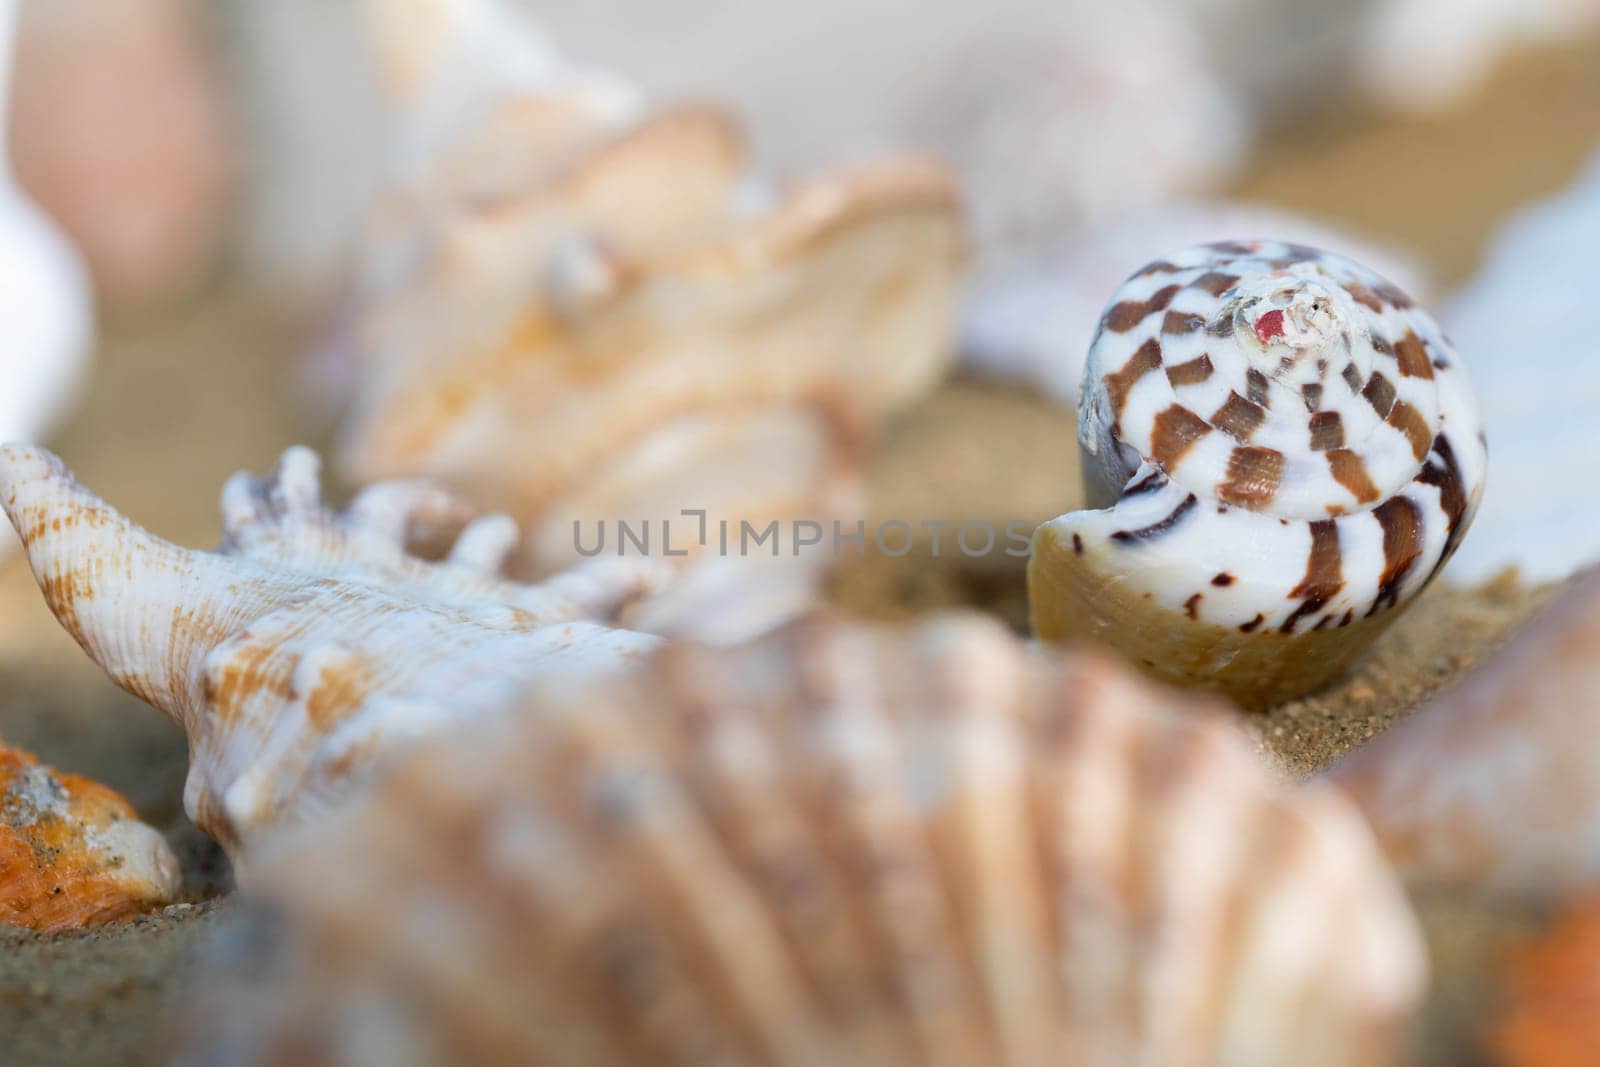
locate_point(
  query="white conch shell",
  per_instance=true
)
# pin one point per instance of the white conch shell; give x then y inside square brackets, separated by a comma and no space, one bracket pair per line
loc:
[44,300]
[1285,451]
[1524,326]
[837,845]
[1032,319]
[1495,785]
[311,644]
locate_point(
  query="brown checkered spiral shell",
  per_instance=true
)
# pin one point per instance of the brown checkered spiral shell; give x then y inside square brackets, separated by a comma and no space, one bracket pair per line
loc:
[1280,442]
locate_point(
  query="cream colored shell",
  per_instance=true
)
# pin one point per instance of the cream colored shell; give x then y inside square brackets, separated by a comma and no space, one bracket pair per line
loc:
[1280,450]
[311,644]
[837,845]
[1495,785]
[625,323]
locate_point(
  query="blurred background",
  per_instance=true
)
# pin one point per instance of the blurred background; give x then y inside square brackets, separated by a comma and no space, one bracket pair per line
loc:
[206,177]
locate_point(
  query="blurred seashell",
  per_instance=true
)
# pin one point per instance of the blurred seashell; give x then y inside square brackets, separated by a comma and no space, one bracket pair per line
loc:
[45,310]
[1280,451]
[1422,55]
[837,845]
[1550,994]
[120,135]
[1076,118]
[1522,326]
[1032,321]
[311,644]
[642,342]
[1495,784]
[73,852]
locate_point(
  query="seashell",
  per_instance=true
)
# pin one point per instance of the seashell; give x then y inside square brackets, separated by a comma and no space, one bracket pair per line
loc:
[1494,785]
[311,645]
[122,137]
[1534,294]
[1550,994]
[644,338]
[1077,115]
[44,316]
[73,853]
[1283,450]
[1032,321]
[836,845]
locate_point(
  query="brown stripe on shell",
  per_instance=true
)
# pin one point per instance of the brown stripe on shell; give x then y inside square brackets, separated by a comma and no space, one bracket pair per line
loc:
[1253,625]
[1401,521]
[1160,266]
[1119,383]
[1379,392]
[1409,421]
[1129,313]
[1182,322]
[1446,477]
[1413,356]
[1191,607]
[1256,385]
[1174,432]
[1215,282]
[1350,471]
[1156,529]
[1324,575]
[1381,345]
[1364,296]
[1254,475]
[1222,326]
[1148,484]
[1239,418]
[1352,377]
[1327,431]
[1233,248]
[1394,296]
[1311,393]
[1193,372]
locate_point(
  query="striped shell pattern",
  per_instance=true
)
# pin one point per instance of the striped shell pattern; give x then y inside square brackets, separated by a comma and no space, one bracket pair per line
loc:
[1282,443]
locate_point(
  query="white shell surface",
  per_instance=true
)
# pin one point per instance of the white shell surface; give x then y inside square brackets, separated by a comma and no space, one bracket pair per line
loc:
[1031,320]
[837,845]
[311,645]
[1282,417]
[1525,326]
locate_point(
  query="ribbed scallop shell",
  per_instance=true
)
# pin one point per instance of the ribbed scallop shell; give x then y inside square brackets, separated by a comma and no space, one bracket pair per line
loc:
[1495,785]
[73,852]
[311,644]
[836,845]
[1284,449]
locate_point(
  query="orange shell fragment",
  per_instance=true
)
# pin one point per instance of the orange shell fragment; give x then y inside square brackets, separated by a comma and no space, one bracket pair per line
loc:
[73,852]
[1551,989]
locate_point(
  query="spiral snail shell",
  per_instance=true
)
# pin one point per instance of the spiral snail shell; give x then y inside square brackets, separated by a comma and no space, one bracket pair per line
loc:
[834,845]
[1282,450]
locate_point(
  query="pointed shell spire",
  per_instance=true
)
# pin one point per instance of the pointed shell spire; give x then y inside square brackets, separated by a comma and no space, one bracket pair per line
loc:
[312,643]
